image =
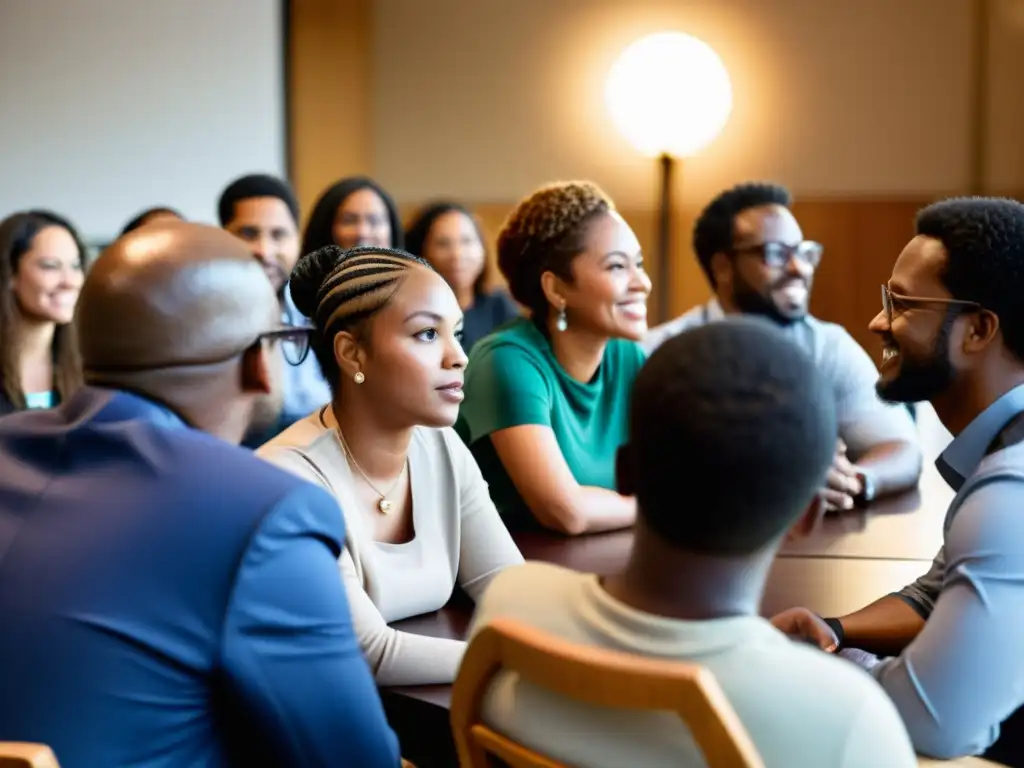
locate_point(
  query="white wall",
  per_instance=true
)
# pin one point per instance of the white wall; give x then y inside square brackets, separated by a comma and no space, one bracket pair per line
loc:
[111,106]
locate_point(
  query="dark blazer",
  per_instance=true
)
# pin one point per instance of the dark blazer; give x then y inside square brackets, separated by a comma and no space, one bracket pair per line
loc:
[169,600]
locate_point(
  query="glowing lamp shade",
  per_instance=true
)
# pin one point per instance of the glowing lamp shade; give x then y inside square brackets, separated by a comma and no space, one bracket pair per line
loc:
[669,93]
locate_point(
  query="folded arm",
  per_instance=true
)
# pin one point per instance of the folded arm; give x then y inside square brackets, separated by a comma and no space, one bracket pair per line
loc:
[533,460]
[289,654]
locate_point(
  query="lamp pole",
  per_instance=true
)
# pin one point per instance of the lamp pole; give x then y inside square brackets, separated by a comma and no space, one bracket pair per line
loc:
[666,165]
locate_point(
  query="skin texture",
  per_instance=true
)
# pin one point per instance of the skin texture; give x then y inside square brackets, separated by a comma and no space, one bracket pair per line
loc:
[49,277]
[413,366]
[362,219]
[173,311]
[266,225]
[453,246]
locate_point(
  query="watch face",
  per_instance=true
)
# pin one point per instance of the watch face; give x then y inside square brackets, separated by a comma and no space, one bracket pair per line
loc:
[869,487]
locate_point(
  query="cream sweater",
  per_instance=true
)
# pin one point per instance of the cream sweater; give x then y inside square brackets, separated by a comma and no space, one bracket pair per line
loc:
[459,539]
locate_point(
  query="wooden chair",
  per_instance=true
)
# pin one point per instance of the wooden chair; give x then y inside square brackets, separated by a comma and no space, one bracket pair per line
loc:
[960,762]
[19,754]
[596,676]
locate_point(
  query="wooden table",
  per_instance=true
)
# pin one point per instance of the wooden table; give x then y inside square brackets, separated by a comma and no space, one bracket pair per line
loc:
[852,559]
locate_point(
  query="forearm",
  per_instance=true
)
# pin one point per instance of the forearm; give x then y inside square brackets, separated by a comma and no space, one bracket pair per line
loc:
[896,466]
[589,509]
[885,627]
[411,659]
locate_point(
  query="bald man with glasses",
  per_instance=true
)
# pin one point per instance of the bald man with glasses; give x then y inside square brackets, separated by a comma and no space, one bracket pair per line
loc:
[167,597]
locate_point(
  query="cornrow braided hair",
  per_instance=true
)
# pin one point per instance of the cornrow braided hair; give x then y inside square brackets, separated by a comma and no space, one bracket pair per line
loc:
[544,233]
[338,289]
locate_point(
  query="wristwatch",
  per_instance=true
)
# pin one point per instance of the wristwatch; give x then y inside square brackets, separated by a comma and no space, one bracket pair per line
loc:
[868,487]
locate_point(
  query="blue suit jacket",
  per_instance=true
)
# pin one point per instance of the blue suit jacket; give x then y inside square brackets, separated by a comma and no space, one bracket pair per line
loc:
[169,600]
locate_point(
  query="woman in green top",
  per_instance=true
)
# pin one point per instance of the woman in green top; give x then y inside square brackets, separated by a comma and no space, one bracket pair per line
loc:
[546,397]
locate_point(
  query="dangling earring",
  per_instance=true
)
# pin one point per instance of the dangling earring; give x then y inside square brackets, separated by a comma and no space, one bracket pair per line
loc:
[561,322]
[359,378]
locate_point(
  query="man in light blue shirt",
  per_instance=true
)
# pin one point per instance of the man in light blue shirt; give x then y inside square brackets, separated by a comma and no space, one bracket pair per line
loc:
[263,211]
[757,261]
[953,327]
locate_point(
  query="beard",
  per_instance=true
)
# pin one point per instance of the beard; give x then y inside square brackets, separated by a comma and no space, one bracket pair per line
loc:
[751,301]
[921,378]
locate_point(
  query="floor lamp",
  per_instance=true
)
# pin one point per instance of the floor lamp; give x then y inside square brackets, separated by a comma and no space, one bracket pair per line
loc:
[670,96]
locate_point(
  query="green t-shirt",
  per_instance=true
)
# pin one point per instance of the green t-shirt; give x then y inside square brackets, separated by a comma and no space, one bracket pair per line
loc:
[513,379]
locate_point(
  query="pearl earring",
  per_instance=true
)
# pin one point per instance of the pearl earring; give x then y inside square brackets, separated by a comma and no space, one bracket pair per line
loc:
[359,378]
[561,322]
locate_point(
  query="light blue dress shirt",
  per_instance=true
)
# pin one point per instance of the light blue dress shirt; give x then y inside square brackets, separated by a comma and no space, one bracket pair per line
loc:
[963,674]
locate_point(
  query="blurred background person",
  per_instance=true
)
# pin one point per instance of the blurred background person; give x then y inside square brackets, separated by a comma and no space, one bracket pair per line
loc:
[449,236]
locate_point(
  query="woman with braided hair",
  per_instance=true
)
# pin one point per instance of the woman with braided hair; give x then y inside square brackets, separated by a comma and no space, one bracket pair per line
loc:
[546,397]
[417,514]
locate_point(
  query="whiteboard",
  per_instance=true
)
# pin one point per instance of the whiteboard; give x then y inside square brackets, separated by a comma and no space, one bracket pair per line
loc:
[111,106]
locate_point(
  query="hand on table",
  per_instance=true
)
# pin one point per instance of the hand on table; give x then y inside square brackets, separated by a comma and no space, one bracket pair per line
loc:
[843,483]
[802,624]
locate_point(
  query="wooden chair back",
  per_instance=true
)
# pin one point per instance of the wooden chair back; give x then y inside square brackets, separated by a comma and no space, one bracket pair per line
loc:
[595,676]
[20,754]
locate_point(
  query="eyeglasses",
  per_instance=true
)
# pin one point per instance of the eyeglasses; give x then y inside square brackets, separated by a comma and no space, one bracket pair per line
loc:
[893,303]
[294,342]
[777,255]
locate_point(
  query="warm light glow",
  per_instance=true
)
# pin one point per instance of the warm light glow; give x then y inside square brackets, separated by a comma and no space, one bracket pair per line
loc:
[669,93]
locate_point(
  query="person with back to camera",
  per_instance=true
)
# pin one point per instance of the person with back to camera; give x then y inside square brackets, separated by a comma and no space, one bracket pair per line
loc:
[448,235]
[167,598]
[738,418]
[419,517]
[546,397]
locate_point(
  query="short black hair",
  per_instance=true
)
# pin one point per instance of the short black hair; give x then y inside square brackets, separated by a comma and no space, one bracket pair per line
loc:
[255,185]
[713,232]
[732,431]
[984,242]
[143,216]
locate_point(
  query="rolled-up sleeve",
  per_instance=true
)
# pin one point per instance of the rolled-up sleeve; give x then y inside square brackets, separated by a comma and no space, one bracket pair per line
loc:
[864,420]
[923,593]
[964,673]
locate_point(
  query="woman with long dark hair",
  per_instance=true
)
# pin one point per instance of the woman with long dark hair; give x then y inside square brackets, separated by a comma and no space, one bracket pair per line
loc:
[449,236]
[41,264]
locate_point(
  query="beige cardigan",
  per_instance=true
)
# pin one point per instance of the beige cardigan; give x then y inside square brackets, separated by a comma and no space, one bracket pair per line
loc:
[459,538]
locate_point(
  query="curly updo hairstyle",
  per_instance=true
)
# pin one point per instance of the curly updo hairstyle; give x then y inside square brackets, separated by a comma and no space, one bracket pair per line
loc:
[545,233]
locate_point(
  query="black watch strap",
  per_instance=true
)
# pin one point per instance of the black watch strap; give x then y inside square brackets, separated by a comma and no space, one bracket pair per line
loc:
[837,627]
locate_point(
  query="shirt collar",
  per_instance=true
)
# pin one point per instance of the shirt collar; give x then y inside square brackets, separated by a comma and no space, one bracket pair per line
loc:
[713,311]
[965,453]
